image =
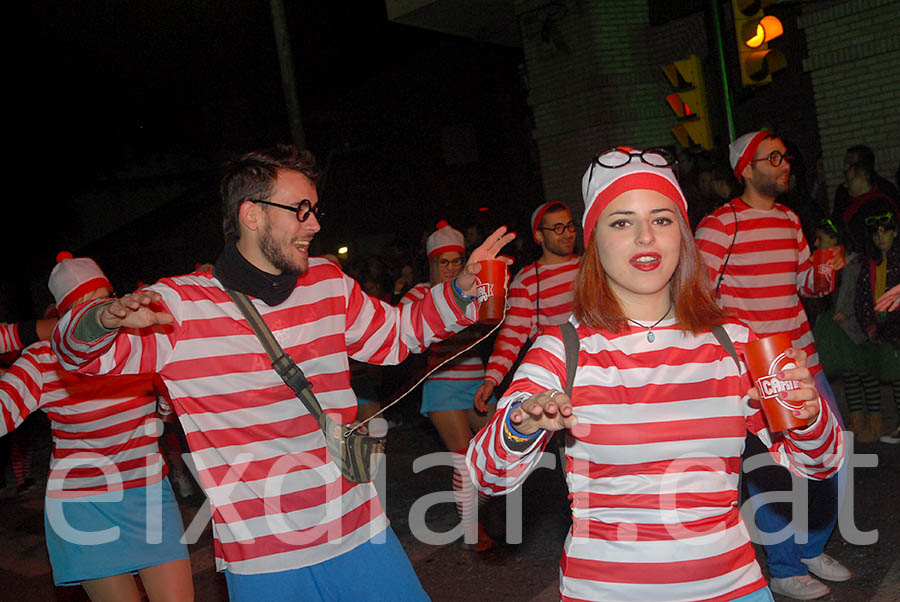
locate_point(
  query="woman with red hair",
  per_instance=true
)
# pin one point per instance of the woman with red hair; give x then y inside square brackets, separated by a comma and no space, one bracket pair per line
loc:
[658,408]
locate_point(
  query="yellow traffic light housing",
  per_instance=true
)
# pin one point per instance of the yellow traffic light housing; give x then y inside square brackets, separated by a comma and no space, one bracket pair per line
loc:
[688,102]
[756,32]
[753,32]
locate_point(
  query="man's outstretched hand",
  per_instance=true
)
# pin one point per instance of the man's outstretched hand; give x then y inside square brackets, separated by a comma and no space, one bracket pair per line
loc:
[133,311]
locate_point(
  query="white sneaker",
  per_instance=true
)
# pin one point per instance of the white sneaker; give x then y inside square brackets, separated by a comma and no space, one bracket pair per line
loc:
[892,438]
[799,587]
[825,567]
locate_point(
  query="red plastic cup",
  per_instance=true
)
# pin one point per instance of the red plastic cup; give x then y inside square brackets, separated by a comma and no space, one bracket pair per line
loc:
[490,289]
[766,358]
[823,274]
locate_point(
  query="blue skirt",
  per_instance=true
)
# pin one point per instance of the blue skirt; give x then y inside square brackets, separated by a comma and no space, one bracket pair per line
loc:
[440,395]
[98,536]
[376,570]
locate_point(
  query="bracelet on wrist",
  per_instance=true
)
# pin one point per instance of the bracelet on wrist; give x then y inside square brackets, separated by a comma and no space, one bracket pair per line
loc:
[507,432]
[510,430]
[459,292]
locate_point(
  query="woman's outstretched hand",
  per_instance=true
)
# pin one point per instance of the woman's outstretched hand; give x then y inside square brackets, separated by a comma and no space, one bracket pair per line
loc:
[550,410]
[889,301]
[498,239]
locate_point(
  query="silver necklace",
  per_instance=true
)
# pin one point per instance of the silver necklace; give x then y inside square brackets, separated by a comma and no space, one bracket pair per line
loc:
[650,336]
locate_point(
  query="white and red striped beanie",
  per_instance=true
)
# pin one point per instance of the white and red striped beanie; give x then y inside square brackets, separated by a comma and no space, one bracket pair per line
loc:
[538,214]
[602,185]
[445,238]
[73,278]
[741,151]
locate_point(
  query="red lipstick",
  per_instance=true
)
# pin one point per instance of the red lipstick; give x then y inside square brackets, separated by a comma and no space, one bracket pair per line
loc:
[645,265]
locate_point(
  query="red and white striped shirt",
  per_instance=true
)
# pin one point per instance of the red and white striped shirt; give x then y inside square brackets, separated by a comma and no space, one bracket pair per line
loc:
[9,338]
[468,366]
[278,500]
[538,296]
[653,466]
[769,268]
[104,428]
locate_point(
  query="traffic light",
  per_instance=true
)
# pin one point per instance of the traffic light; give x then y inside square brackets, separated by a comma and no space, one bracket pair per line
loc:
[753,32]
[689,102]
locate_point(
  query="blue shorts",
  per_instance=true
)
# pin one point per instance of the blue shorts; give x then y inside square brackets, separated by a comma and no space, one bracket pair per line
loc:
[440,395]
[110,534]
[371,571]
[760,595]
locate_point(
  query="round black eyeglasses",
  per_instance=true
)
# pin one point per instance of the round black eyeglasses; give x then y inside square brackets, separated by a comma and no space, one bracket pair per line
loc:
[620,157]
[775,158]
[302,210]
[560,228]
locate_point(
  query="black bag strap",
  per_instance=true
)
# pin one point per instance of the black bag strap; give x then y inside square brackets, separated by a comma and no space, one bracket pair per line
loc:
[282,363]
[725,341]
[728,256]
[722,336]
[572,344]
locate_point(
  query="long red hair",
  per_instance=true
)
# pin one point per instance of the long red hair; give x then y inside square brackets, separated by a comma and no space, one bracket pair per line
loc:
[597,306]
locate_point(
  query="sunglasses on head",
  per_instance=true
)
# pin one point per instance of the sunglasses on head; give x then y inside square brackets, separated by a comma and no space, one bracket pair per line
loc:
[886,221]
[621,156]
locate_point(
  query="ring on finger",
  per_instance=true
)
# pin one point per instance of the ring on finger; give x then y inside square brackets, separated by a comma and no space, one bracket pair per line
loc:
[553,393]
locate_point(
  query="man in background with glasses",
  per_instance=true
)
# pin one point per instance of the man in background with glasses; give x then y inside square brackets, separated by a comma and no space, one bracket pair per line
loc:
[759,263]
[540,294]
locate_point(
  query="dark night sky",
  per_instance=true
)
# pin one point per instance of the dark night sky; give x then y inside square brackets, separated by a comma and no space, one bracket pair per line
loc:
[107,88]
[106,93]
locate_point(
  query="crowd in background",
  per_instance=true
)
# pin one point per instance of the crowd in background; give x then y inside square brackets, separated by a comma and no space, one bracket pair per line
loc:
[858,347]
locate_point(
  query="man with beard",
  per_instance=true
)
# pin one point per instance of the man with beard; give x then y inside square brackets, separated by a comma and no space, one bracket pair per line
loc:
[539,295]
[759,263]
[287,523]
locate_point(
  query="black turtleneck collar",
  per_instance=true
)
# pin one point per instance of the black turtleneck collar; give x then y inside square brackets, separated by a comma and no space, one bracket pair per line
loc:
[235,272]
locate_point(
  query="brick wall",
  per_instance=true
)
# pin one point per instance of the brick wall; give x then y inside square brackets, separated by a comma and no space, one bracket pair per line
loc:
[591,85]
[853,57]
[595,81]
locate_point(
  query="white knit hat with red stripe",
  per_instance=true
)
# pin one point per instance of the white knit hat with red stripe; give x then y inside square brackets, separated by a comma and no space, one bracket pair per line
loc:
[741,151]
[602,185]
[73,278]
[445,238]
[538,214]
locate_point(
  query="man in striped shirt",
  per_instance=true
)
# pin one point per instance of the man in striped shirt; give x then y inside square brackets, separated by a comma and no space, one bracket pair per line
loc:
[539,295]
[759,263]
[285,520]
